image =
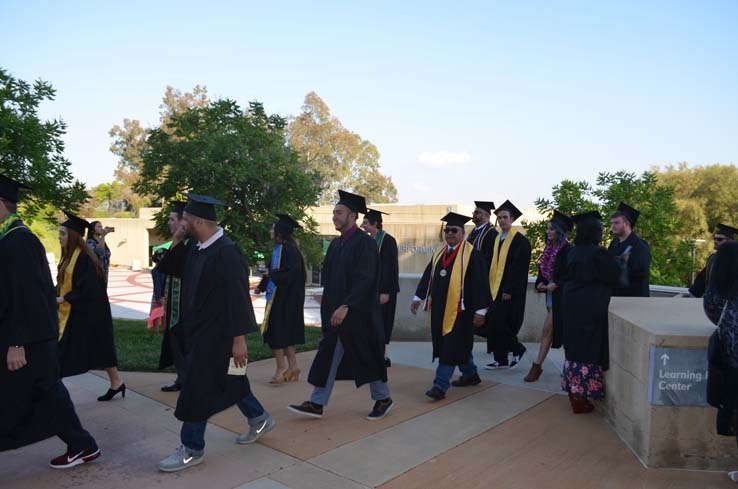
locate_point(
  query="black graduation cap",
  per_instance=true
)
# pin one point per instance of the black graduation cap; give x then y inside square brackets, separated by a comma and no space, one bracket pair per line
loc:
[202,206]
[563,220]
[630,213]
[586,216]
[356,203]
[454,219]
[725,230]
[75,223]
[375,215]
[178,206]
[509,207]
[287,222]
[487,207]
[9,188]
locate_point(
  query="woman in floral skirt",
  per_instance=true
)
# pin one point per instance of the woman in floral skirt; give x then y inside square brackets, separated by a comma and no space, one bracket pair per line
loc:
[592,274]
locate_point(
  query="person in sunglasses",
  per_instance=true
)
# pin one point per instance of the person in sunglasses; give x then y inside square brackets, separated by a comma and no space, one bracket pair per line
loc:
[723,234]
[508,283]
[453,290]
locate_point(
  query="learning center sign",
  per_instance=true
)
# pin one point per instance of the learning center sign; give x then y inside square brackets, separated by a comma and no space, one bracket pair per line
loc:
[678,377]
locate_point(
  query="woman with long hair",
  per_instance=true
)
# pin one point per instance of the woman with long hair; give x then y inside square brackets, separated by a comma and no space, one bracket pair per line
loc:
[592,274]
[721,307]
[552,275]
[96,240]
[85,322]
[284,284]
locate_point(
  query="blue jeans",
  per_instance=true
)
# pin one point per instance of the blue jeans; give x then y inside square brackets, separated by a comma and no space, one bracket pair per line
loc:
[193,432]
[379,390]
[444,373]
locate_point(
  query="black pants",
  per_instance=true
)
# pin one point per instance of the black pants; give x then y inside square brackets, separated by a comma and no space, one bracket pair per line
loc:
[503,323]
[36,404]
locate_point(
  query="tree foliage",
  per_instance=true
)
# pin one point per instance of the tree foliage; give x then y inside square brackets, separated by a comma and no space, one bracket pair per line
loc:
[32,150]
[237,156]
[129,144]
[342,158]
[659,223]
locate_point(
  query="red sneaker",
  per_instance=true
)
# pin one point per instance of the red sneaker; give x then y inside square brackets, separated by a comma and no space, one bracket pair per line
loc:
[70,459]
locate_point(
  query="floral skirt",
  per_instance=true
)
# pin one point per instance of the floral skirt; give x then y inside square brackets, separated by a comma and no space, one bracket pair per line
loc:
[583,379]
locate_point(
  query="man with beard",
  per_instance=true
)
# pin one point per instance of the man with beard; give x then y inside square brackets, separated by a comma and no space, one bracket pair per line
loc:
[633,250]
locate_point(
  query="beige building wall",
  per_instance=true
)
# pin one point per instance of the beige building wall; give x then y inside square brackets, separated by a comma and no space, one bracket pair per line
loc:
[130,245]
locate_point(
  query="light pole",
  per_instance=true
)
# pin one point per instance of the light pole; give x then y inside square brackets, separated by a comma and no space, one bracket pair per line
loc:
[694,257]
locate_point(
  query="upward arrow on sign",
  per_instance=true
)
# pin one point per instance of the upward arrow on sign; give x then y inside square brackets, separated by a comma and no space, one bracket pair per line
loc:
[664,358]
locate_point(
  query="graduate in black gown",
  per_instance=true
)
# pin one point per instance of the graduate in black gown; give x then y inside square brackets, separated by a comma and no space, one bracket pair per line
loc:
[453,291]
[389,281]
[484,233]
[627,242]
[352,347]
[723,234]
[284,284]
[216,314]
[35,403]
[552,275]
[508,284]
[592,274]
[172,345]
[85,322]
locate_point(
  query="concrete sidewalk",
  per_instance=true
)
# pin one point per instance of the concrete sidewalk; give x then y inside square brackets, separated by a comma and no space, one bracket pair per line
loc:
[500,434]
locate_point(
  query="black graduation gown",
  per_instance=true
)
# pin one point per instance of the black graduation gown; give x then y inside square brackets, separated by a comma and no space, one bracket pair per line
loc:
[172,265]
[87,342]
[486,245]
[639,266]
[509,315]
[350,277]
[592,274]
[28,317]
[389,283]
[287,317]
[560,276]
[699,286]
[216,307]
[455,348]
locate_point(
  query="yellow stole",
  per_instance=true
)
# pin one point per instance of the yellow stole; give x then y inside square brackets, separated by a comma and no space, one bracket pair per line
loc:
[498,262]
[268,308]
[65,287]
[455,294]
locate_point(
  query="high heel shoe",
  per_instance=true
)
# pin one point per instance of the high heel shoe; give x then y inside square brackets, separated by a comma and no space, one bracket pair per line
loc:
[293,375]
[112,392]
[280,379]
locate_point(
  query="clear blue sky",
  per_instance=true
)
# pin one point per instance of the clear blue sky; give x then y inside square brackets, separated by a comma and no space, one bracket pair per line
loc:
[488,100]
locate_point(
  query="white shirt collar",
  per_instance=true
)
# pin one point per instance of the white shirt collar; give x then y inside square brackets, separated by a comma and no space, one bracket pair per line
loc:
[478,228]
[452,248]
[215,237]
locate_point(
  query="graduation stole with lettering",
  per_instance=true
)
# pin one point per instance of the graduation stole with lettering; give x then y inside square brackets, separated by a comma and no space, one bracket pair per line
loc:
[455,295]
[265,322]
[65,287]
[498,262]
[380,238]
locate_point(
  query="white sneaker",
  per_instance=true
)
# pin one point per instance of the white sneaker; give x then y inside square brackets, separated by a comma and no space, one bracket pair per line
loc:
[733,475]
[255,432]
[182,458]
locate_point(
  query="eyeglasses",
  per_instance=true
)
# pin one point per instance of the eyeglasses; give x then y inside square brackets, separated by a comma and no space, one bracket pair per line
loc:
[450,230]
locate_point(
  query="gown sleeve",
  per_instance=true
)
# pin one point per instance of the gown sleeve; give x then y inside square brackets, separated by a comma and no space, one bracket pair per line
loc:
[233,292]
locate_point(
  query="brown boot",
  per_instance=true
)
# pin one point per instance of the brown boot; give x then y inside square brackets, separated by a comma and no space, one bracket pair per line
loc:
[580,404]
[535,372]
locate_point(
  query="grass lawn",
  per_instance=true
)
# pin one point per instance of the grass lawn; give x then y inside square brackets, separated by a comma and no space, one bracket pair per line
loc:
[138,348]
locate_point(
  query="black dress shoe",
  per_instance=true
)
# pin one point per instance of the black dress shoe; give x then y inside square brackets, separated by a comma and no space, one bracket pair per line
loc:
[435,393]
[112,392]
[465,382]
[175,387]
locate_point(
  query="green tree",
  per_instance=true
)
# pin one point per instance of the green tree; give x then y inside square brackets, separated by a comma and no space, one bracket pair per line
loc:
[240,157]
[129,143]
[342,158]
[659,223]
[32,150]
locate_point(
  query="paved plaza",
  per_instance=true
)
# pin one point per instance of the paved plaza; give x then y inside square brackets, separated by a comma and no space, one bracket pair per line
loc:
[503,433]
